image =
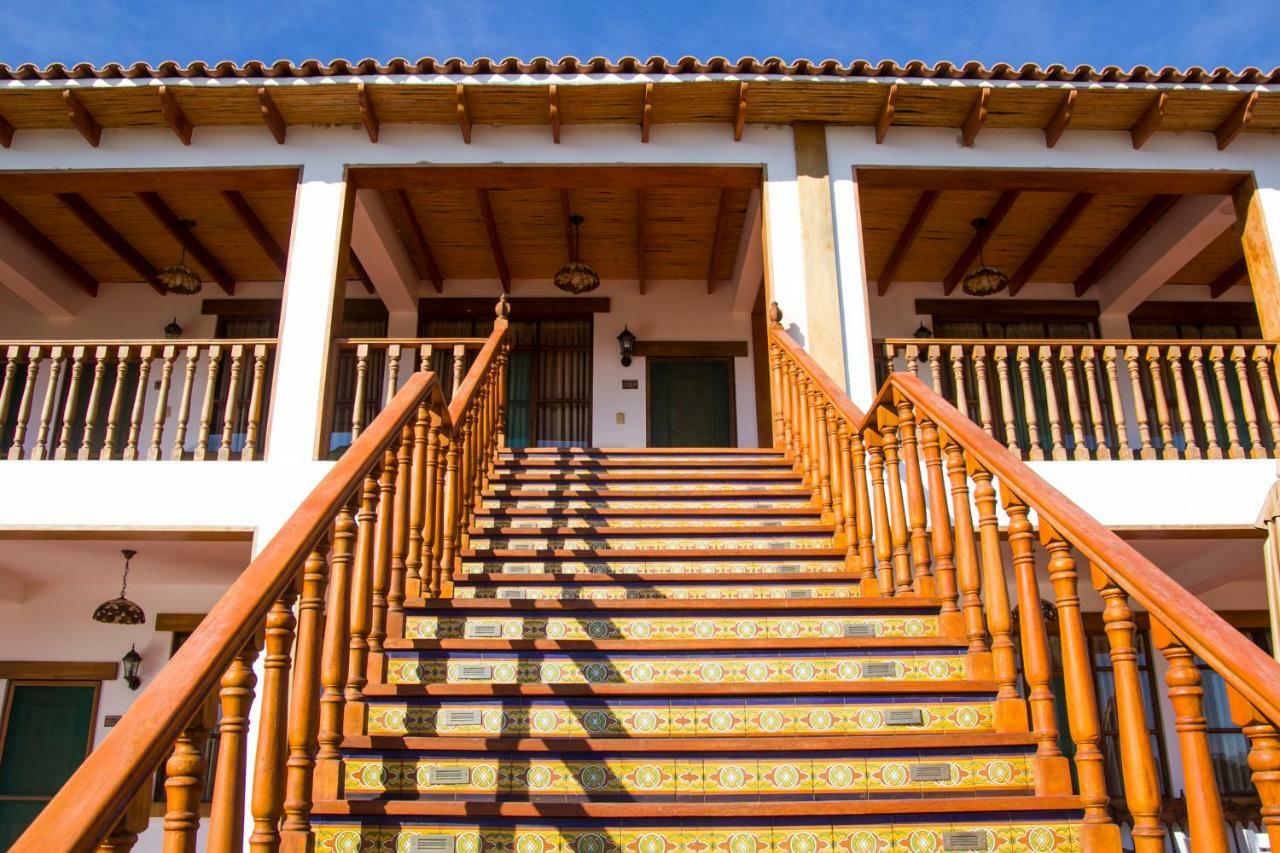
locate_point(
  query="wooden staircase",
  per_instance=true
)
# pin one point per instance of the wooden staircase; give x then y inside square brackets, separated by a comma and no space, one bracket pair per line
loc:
[656,651]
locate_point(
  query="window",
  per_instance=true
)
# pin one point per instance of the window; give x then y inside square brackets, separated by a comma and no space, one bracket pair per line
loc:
[1228,747]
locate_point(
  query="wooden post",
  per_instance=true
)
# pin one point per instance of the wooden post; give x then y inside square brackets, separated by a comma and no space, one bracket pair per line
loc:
[270,770]
[968,579]
[226,818]
[940,527]
[817,229]
[1259,252]
[902,584]
[883,546]
[361,610]
[922,581]
[333,666]
[862,509]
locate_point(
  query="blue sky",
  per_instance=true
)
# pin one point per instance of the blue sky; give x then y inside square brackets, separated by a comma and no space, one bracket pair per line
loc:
[1173,32]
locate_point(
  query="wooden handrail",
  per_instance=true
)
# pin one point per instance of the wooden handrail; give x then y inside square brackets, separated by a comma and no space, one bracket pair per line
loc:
[484,361]
[133,342]
[815,372]
[411,342]
[1075,342]
[1241,663]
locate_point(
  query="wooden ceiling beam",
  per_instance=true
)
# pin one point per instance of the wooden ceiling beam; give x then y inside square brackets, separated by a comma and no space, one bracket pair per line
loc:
[1228,278]
[368,115]
[641,228]
[6,133]
[1150,120]
[549,177]
[257,230]
[980,239]
[740,115]
[271,116]
[1049,241]
[553,107]
[566,213]
[885,118]
[1050,180]
[112,239]
[1141,223]
[1239,119]
[360,271]
[172,223]
[142,180]
[1061,119]
[420,240]
[721,209]
[174,117]
[976,119]
[495,241]
[81,119]
[906,237]
[646,116]
[464,112]
[52,253]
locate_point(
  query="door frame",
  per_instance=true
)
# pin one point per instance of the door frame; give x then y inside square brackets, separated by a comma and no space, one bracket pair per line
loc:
[648,385]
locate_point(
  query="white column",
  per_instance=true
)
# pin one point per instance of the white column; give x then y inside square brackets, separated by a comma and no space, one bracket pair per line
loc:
[311,291]
[855,302]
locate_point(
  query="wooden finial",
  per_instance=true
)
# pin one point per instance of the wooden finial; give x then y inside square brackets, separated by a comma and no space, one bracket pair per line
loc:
[775,314]
[503,308]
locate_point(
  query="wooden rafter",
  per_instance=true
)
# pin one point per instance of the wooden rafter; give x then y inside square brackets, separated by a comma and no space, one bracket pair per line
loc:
[1061,119]
[740,114]
[991,223]
[110,237]
[721,210]
[1236,122]
[240,206]
[885,118]
[81,119]
[646,117]
[1051,180]
[553,107]
[464,112]
[1228,278]
[495,241]
[6,132]
[641,227]
[368,115]
[1150,214]
[52,253]
[566,212]
[271,115]
[360,271]
[555,177]
[420,240]
[1049,241]
[1149,122]
[919,213]
[973,123]
[172,223]
[174,117]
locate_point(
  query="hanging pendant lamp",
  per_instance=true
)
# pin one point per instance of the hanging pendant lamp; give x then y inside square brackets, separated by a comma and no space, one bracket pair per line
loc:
[180,278]
[121,611]
[985,280]
[576,277]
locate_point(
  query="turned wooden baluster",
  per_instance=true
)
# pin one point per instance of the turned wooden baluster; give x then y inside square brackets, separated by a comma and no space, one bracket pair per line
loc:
[124,835]
[1145,449]
[1011,710]
[383,533]
[95,403]
[935,367]
[848,497]
[304,708]
[1262,364]
[437,458]
[1137,761]
[69,405]
[232,405]
[1066,355]
[799,410]
[34,358]
[1006,400]
[362,383]
[448,516]
[1212,449]
[459,358]
[1081,698]
[1235,448]
[984,390]
[206,407]
[117,402]
[1256,450]
[254,419]
[808,407]
[11,361]
[1052,774]
[1057,450]
[183,785]
[53,386]
[897,512]
[883,543]
[1110,358]
[361,608]
[270,768]
[1264,760]
[394,354]
[1155,370]
[1204,802]
[862,509]
[968,580]
[333,666]
[1191,449]
[1090,366]
[145,355]
[500,437]
[924,583]
[400,522]
[939,520]
[426,515]
[1034,448]
[778,440]
[911,355]
[226,817]
[957,376]
[184,404]
[838,469]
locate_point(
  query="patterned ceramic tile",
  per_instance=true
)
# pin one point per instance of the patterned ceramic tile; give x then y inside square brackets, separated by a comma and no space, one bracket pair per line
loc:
[648,543]
[658,627]
[677,592]
[615,566]
[776,502]
[674,486]
[642,521]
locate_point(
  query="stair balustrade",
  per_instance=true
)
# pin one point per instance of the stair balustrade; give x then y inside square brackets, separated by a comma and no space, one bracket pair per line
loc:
[1106,399]
[922,490]
[385,523]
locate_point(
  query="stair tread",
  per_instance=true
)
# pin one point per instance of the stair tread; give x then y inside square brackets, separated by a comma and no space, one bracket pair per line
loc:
[900,740]
[790,688]
[623,578]
[650,554]
[800,643]
[739,605]
[651,494]
[670,530]
[678,512]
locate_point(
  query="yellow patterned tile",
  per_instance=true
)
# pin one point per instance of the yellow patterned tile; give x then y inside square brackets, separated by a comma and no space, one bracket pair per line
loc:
[348,838]
[803,839]
[839,775]
[660,839]
[862,839]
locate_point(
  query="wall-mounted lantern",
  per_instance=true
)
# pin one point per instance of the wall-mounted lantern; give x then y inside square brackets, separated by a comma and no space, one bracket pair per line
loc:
[173,331]
[626,345]
[132,660]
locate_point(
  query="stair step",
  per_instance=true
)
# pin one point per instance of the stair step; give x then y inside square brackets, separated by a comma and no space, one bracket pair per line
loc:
[558,523]
[684,563]
[897,606]
[649,487]
[600,555]
[646,580]
[643,453]
[823,688]
[619,516]
[653,476]
[662,669]
[683,718]
[653,540]
[544,645]
[639,465]
[656,527]
[899,740]
[501,586]
[738,501]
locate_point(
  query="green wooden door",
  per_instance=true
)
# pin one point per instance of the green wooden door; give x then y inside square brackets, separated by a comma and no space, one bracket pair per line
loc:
[46,736]
[691,402]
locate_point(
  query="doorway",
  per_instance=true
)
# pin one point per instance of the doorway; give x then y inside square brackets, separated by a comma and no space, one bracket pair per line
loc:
[691,402]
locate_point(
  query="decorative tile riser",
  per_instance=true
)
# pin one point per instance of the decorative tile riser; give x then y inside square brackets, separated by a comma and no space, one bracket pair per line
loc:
[688,777]
[1052,835]
[680,719]
[643,458]
[731,505]
[613,467]
[770,541]
[641,521]
[665,669]
[658,567]
[676,592]
[607,627]
[676,486]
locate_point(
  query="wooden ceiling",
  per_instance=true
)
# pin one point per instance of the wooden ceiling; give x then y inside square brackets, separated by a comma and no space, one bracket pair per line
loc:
[917,227]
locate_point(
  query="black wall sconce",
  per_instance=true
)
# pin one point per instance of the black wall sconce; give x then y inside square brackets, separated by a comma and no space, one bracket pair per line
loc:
[173,331]
[132,660]
[627,345]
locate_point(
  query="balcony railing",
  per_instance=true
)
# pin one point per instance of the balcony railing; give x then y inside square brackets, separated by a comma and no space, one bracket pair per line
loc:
[1106,399]
[134,399]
